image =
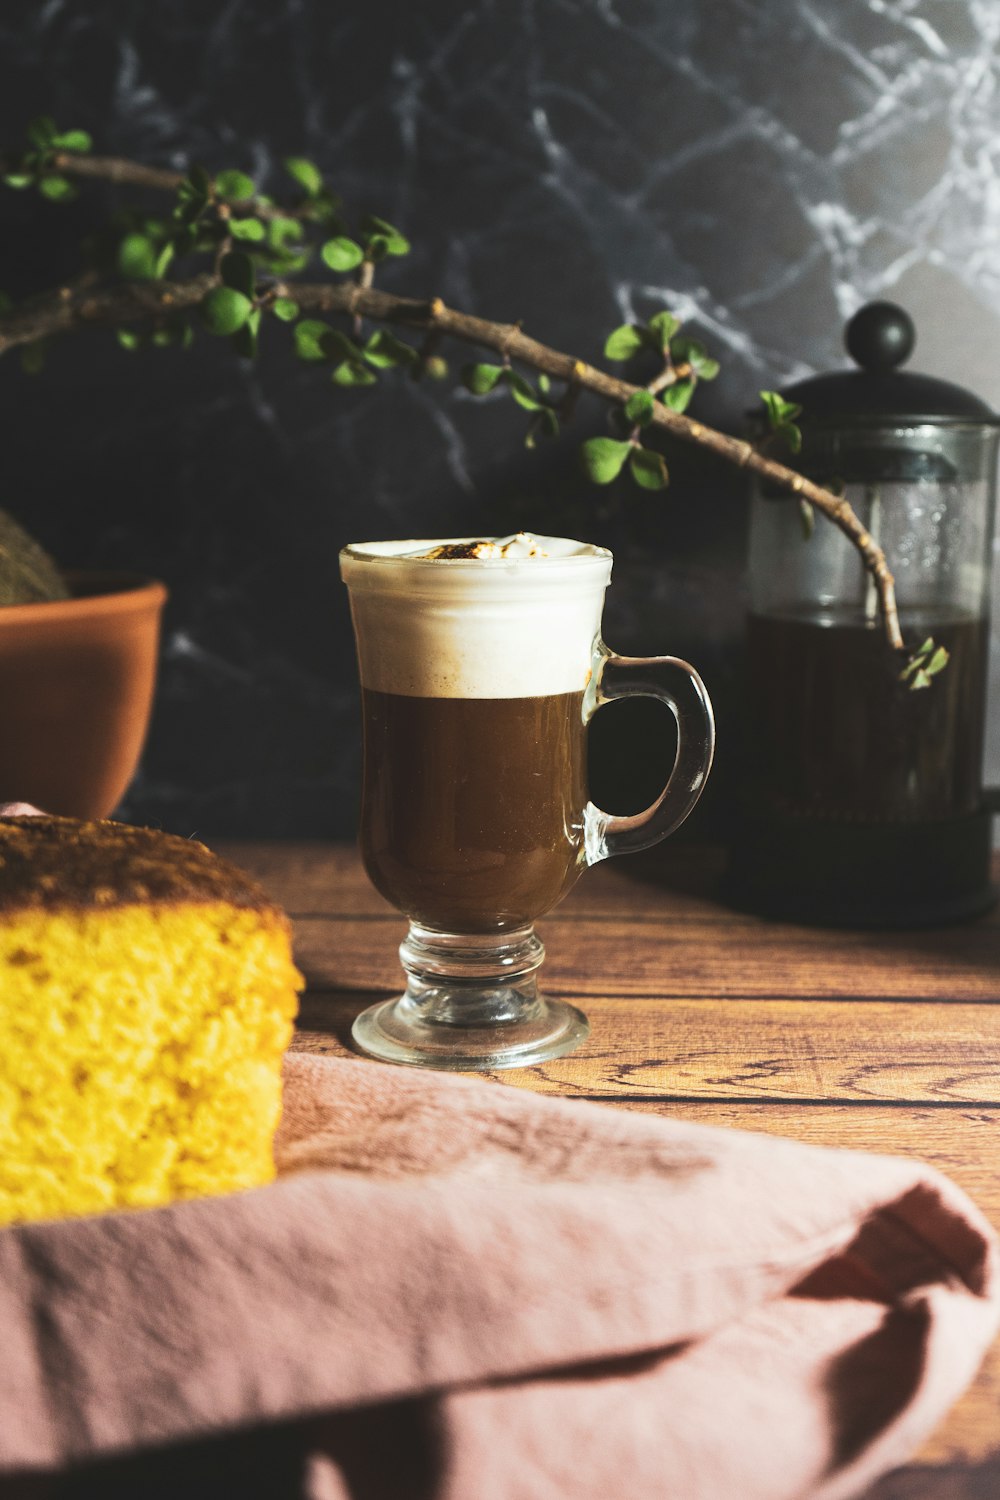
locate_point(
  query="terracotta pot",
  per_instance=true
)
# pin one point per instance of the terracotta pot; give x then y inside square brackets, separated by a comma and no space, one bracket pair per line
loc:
[76,690]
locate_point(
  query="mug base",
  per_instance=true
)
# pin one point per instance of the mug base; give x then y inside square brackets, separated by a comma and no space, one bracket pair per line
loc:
[391,1032]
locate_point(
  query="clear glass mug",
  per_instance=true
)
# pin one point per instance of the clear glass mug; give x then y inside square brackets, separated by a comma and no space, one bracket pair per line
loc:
[479,675]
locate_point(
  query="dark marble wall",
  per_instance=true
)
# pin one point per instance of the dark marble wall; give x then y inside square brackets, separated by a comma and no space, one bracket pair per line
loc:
[762,169]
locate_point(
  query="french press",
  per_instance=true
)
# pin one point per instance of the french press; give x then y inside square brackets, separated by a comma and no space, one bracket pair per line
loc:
[862,799]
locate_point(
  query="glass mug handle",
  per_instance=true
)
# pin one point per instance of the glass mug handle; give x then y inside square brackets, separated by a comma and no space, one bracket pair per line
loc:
[678,685]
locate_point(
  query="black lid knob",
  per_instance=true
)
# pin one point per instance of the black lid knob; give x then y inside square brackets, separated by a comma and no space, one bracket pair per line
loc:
[880,336]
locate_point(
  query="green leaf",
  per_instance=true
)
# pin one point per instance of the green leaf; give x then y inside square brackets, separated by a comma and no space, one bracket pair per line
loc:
[376,248]
[163,338]
[920,680]
[684,350]
[774,403]
[352,373]
[384,349]
[663,325]
[623,342]
[323,210]
[548,422]
[237,271]
[72,140]
[792,435]
[648,469]
[281,229]
[396,242]
[639,408]
[188,211]
[337,345]
[192,195]
[522,391]
[308,176]
[234,187]
[55,187]
[128,339]
[163,260]
[225,310]
[678,396]
[18,179]
[42,131]
[924,663]
[309,336]
[244,340]
[544,383]
[938,662]
[481,379]
[342,254]
[246,229]
[603,458]
[137,257]
[318,341]
[808,518]
[285,309]
[779,411]
[289,263]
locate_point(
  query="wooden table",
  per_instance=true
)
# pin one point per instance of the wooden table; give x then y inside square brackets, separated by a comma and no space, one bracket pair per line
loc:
[878,1041]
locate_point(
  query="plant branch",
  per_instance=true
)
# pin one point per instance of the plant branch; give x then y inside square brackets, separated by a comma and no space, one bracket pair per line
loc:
[119,170]
[124,173]
[71,308]
[669,375]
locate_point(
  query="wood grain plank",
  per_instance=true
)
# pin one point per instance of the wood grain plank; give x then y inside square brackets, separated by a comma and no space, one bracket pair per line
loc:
[861,1052]
[308,877]
[594,957]
[620,934]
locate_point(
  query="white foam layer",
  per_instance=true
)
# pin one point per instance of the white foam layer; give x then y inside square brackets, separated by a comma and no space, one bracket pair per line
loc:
[517,619]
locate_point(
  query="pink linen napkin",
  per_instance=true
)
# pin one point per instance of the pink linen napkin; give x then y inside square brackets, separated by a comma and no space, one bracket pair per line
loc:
[460,1291]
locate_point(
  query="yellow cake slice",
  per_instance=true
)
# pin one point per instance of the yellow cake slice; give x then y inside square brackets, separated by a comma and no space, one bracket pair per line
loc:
[147,995]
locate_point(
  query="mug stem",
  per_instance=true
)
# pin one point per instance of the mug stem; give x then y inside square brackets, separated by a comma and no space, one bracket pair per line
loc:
[471,1004]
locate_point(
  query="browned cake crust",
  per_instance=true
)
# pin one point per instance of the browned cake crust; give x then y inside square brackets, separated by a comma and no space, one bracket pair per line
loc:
[64,862]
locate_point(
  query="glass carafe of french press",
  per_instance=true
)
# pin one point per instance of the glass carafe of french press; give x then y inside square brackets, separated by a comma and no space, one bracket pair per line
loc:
[863,800]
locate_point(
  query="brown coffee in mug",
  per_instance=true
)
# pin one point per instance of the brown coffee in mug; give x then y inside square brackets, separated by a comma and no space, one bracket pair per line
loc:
[473,807]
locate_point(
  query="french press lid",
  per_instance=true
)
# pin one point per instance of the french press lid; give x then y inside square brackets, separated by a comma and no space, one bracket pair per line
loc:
[880,338]
[879,422]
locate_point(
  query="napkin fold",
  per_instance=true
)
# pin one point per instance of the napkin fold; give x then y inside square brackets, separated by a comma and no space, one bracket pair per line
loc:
[461,1291]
